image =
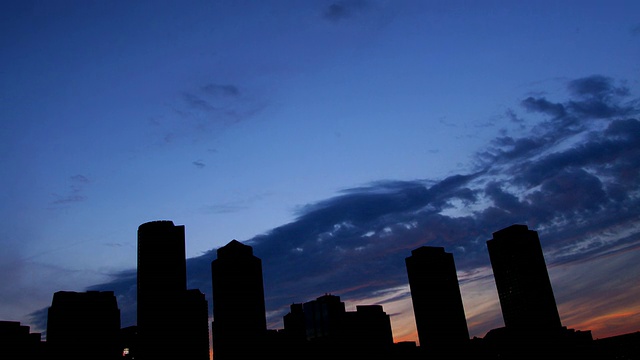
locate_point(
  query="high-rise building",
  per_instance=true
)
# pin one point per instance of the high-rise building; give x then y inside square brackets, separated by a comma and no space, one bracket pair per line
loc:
[194,326]
[167,311]
[369,327]
[162,269]
[523,284]
[84,325]
[323,318]
[239,320]
[437,302]
[294,327]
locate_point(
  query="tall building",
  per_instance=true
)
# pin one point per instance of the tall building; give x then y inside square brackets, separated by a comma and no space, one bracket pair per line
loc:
[167,311]
[162,269]
[323,318]
[523,284]
[322,328]
[294,327]
[369,327]
[84,326]
[194,326]
[437,302]
[239,322]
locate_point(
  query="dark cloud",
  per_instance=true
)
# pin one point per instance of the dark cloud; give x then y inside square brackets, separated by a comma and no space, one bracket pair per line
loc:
[345,9]
[202,112]
[199,164]
[81,179]
[508,148]
[544,106]
[221,90]
[580,192]
[77,184]
[206,110]
[224,208]
[571,191]
[613,152]
[68,199]
[596,86]
[197,103]
[599,97]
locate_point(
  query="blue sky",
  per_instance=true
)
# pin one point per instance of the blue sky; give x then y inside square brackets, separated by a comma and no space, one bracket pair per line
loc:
[333,136]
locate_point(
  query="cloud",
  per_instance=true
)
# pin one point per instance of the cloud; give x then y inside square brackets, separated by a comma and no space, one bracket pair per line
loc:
[199,164]
[345,9]
[580,189]
[77,183]
[596,86]
[204,111]
[197,103]
[544,106]
[221,90]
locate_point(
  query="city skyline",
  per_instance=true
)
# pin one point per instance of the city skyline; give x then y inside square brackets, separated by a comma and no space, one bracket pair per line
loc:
[316,328]
[333,136]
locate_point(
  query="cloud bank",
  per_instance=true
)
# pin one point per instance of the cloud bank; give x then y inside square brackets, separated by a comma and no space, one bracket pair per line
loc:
[575,178]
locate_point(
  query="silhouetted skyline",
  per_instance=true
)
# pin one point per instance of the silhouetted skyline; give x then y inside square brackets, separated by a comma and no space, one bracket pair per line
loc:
[343,133]
[87,325]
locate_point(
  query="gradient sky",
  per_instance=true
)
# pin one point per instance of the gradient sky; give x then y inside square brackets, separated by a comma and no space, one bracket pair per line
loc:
[332,136]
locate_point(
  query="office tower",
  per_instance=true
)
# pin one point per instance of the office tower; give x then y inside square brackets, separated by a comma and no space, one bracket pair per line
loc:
[323,317]
[369,327]
[239,321]
[520,272]
[166,310]
[333,332]
[84,326]
[437,302]
[294,327]
[162,269]
[194,329]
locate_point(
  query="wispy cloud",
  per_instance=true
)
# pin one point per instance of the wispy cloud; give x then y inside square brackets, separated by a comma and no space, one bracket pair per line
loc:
[341,10]
[199,164]
[578,186]
[201,112]
[77,183]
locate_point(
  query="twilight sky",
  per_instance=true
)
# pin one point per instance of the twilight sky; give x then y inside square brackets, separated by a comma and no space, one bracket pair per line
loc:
[332,136]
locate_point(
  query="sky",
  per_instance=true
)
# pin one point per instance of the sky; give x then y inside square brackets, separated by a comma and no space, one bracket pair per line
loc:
[334,137]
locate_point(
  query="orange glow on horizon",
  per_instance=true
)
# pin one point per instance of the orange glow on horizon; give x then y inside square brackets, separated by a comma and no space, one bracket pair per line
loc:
[612,324]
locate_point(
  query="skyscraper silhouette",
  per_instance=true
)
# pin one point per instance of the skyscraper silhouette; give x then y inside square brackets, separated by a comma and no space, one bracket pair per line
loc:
[524,288]
[239,322]
[437,302]
[324,318]
[171,320]
[84,325]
